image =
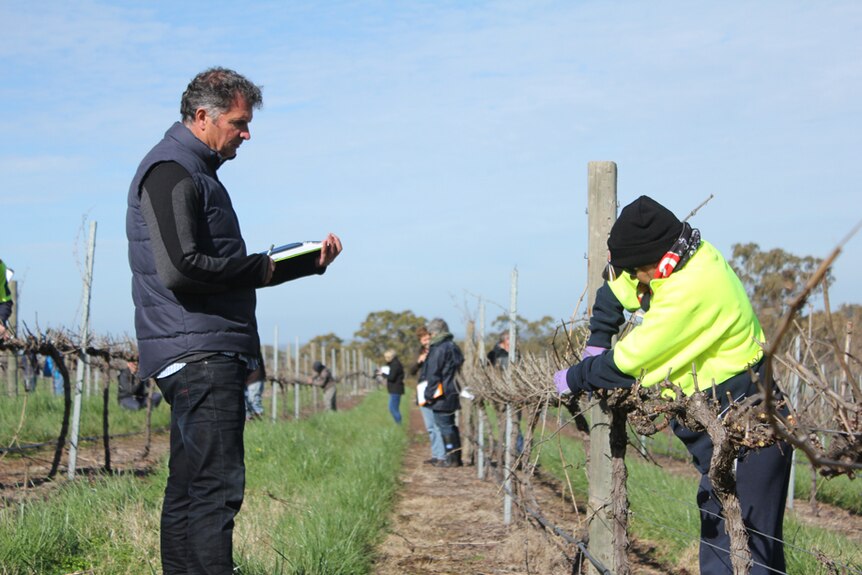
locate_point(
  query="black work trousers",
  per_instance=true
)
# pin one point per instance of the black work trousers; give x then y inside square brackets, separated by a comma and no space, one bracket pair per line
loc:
[206,477]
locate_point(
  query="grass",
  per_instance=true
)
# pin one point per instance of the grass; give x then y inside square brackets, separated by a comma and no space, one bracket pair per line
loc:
[664,513]
[36,417]
[317,497]
[840,491]
[320,508]
[108,524]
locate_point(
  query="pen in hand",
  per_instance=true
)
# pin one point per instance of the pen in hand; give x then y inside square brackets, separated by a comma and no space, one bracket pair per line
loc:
[269,251]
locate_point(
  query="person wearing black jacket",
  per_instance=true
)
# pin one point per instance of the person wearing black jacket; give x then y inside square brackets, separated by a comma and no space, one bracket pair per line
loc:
[417,369]
[499,355]
[394,383]
[444,361]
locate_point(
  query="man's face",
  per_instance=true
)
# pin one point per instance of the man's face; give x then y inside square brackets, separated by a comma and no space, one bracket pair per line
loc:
[644,274]
[227,132]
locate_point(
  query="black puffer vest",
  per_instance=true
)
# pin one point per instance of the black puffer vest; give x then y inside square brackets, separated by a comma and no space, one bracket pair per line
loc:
[171,325]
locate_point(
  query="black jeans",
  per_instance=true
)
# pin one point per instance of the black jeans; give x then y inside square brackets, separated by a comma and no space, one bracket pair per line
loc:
[206,472]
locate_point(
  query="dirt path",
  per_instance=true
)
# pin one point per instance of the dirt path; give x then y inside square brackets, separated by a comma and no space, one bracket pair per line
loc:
[449,522]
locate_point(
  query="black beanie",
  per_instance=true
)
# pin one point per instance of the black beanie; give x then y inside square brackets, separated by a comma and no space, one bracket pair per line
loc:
[643,233]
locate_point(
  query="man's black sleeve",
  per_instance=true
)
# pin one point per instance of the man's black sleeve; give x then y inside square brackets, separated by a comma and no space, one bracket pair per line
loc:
[171,206]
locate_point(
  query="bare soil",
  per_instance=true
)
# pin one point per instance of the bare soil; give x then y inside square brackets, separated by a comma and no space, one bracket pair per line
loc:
[25,475]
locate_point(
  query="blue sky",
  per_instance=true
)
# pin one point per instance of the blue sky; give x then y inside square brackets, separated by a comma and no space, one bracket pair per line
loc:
[445,142]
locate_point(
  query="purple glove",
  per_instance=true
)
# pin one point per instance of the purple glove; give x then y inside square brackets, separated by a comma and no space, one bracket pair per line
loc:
[592,351]
[561,383]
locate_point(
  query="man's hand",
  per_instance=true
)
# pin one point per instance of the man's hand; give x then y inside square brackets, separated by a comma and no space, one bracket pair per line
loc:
[330,250]
[270,271]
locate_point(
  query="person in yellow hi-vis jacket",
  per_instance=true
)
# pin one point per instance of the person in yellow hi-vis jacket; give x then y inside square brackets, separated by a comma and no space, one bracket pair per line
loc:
[698,329]
[5,299]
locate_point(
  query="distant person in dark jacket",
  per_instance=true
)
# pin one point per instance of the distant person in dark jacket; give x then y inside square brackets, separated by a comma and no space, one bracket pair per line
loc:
[30,369]
[442,393]
[131,391]
[323,378]
[499,354]
[394,383]
[438,450]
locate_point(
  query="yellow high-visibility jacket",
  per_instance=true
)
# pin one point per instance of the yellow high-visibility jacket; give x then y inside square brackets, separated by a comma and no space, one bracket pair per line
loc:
[5,294]
[700,321]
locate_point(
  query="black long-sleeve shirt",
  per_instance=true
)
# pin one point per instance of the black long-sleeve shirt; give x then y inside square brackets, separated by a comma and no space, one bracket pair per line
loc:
[174,212]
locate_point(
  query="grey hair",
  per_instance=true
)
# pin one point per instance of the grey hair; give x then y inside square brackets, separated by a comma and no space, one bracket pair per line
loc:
[215,90]
[437,325]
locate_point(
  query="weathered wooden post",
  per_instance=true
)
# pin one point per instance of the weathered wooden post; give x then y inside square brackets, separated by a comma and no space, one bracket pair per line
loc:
[82,354]
[313,387]
[345,370]
[286,387]
[355,372]
[334,370]
[480,406]
[607,525]
[510,424]
[467,413]
[296,381]
[274,416]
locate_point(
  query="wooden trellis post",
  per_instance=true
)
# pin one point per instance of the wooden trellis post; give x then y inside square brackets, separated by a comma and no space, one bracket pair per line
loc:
[82,355]
[606,469]
[296,381]
[510,424]
[274,406]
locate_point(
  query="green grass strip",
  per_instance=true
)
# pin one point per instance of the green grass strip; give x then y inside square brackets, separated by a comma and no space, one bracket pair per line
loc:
[840,491]
[37,416]
[320,492]
[317,500]
[664,513]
